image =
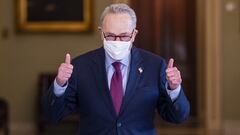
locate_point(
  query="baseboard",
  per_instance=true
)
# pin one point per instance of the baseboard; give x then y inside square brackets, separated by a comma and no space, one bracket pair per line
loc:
[23,129]
[232,127]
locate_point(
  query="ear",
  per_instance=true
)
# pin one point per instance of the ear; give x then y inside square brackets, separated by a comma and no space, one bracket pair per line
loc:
[134,35]
[100,31]
[102,36]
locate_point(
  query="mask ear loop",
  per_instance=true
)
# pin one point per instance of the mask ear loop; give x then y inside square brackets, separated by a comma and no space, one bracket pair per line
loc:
[130,47]
[135,32]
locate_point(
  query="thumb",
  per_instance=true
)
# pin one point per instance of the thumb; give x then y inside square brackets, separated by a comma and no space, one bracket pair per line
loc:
[68,59]
[170,63]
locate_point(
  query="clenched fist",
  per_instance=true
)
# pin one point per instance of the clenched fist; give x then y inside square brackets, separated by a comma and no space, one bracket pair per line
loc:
[64,71]
[173,75]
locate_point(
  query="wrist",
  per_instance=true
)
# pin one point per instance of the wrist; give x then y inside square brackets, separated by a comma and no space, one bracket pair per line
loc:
[60,82]
[172,87]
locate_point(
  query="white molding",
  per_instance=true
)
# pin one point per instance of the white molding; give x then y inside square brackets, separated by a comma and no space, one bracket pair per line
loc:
[23,128]
[212,64]
[232,127]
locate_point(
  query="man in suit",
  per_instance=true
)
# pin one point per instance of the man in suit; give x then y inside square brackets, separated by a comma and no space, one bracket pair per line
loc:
[117,88]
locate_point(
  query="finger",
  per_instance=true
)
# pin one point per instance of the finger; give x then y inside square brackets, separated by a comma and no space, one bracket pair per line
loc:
[70,66]
[176,82]
[173,69]
[68,59]
[65,79]
[170,63]
[68,71]
[65,71]
[67,76]
[64,75]
[171,74]
[174,78]
[66,66]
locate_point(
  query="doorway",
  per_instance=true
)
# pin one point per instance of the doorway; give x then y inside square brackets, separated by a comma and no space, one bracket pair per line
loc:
[168,28]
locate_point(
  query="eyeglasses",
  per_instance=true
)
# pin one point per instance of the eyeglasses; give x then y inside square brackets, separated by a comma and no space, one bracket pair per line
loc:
[113,37]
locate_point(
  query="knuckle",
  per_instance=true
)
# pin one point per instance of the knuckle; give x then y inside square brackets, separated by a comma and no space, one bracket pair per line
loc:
[175,82]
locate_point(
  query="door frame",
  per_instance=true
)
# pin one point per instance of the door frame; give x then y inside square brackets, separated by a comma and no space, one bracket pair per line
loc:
[209,63]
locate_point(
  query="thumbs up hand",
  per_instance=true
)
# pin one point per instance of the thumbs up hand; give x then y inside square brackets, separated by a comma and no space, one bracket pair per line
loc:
[64,71]
[173,75]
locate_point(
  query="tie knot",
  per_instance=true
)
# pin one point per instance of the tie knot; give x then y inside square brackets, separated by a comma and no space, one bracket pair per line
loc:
[116,66]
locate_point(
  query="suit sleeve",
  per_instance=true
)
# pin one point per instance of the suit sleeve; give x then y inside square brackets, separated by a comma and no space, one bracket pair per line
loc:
[176,111]
[55,108]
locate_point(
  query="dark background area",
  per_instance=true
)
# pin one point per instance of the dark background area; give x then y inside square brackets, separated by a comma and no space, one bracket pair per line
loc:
[54,10]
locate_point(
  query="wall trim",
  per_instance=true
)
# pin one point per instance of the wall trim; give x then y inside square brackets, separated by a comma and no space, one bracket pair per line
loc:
[24,128]
[232,127]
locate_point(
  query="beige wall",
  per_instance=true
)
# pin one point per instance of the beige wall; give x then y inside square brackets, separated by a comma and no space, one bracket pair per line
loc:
[231,62]
[25,56]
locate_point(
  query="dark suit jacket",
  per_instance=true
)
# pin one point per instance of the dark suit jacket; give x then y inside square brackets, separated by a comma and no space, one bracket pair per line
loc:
[88,93]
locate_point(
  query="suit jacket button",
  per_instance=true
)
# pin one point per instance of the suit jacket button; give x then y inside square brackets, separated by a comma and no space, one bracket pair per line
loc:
[52,103]
[119,124]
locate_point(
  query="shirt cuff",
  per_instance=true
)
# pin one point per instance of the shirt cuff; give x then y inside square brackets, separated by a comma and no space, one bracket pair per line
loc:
[173,93]
[59,90]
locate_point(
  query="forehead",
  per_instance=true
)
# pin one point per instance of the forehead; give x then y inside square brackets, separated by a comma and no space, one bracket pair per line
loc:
[117,23]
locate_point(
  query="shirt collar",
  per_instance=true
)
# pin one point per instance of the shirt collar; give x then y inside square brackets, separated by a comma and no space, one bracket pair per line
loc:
[109,60]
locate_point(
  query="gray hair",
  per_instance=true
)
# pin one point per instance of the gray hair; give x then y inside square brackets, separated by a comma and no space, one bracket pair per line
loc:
[118,9]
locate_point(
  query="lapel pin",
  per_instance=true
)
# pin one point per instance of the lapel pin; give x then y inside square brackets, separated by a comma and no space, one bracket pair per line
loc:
[140,70]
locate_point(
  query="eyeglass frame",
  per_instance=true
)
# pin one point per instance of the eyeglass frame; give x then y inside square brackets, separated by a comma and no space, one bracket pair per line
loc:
[118,36]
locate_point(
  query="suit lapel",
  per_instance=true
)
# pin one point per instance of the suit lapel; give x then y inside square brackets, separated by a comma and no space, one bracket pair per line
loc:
[133,77]
[99,70]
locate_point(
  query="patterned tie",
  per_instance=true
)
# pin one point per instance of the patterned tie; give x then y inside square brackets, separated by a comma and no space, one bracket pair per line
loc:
[116,88]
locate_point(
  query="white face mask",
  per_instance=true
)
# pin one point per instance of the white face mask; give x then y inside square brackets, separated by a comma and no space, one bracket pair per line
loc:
[117,50]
